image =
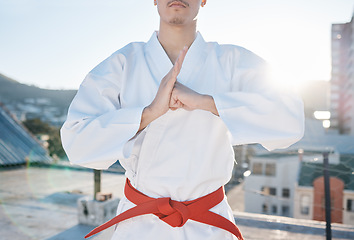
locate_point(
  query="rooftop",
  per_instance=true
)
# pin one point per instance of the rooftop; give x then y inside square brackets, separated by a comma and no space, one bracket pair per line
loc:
[33,197]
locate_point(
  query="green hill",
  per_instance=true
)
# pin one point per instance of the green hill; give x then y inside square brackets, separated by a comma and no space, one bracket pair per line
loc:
[13,91]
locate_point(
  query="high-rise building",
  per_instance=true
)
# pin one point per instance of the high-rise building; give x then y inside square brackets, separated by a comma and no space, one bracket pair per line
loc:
[342,81]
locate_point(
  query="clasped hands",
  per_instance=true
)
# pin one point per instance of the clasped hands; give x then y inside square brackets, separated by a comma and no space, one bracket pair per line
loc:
[173,95]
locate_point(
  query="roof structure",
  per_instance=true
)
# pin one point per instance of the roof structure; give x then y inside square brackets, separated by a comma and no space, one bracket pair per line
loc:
[276,154]
[309,171]
[17,145]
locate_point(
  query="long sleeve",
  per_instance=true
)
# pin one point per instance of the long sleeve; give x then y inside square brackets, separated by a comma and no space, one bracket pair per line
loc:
[255,111]
[98,131]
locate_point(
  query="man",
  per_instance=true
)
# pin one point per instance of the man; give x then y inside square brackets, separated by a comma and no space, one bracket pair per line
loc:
[172,126]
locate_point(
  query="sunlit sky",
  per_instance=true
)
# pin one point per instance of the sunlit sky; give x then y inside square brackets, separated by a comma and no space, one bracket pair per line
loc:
[55,43]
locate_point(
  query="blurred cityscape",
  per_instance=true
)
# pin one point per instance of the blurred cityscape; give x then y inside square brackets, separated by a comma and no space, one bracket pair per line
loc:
[278,194]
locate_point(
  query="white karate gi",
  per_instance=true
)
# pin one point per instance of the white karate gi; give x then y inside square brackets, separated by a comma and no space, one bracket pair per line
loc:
[183,154]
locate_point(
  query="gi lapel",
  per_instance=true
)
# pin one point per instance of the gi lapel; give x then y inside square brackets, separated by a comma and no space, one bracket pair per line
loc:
[159,63]
[156,58]
[193,62]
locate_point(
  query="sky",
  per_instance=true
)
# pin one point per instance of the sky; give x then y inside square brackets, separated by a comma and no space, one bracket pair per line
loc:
[55,43]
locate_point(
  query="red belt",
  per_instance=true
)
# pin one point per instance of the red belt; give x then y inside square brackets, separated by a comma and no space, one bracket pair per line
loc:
[172,212]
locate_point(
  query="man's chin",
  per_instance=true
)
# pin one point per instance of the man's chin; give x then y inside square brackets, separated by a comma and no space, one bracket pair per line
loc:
[176,21]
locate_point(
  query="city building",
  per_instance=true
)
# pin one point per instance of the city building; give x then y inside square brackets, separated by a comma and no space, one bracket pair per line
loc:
[342,80]
[290,182]
[309,192]
[270,187]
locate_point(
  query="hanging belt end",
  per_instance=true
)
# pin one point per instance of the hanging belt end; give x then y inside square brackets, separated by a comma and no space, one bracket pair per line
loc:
[90,234]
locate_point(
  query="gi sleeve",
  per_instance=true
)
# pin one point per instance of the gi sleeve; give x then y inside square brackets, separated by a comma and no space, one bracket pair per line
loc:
[98,131]
[255,110]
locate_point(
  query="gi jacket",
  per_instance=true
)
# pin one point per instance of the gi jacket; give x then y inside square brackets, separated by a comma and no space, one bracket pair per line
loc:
[183,154]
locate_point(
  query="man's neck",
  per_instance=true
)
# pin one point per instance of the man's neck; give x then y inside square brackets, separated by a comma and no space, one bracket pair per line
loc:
[174,38]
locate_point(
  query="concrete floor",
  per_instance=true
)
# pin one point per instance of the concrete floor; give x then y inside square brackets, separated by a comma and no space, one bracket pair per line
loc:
[235,197]
[40,203]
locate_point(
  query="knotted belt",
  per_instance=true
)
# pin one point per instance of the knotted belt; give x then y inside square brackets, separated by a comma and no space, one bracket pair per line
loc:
[172,212]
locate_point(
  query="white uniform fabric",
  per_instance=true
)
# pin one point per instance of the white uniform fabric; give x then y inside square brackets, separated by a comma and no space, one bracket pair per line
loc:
[183,154]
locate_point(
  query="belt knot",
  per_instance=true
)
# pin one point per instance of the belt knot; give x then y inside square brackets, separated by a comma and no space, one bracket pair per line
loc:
[172,212]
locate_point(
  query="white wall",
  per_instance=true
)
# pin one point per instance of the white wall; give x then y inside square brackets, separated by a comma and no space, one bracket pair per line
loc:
[299,193]
[286,176]
[348,217]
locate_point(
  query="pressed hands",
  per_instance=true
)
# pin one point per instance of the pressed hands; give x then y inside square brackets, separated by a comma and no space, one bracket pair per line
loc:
[173,95]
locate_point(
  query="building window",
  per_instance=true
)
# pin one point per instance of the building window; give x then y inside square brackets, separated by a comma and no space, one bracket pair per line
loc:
[269,191]
[285,210]
[270,169]
[265,191]
[286,193]
[350,205]
[264,208]
[257,169]
[274,209]
[305,205]
[272,191]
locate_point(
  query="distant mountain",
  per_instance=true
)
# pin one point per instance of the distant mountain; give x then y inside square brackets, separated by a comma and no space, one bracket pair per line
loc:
[11,90]
[27,102]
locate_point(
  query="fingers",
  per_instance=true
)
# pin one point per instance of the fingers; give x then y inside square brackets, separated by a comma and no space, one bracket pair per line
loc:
[162,101]
[176,105]
[179,104]
[182,55]
[178,64]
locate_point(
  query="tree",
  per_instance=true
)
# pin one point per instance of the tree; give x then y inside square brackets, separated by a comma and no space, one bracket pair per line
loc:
[38,128]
